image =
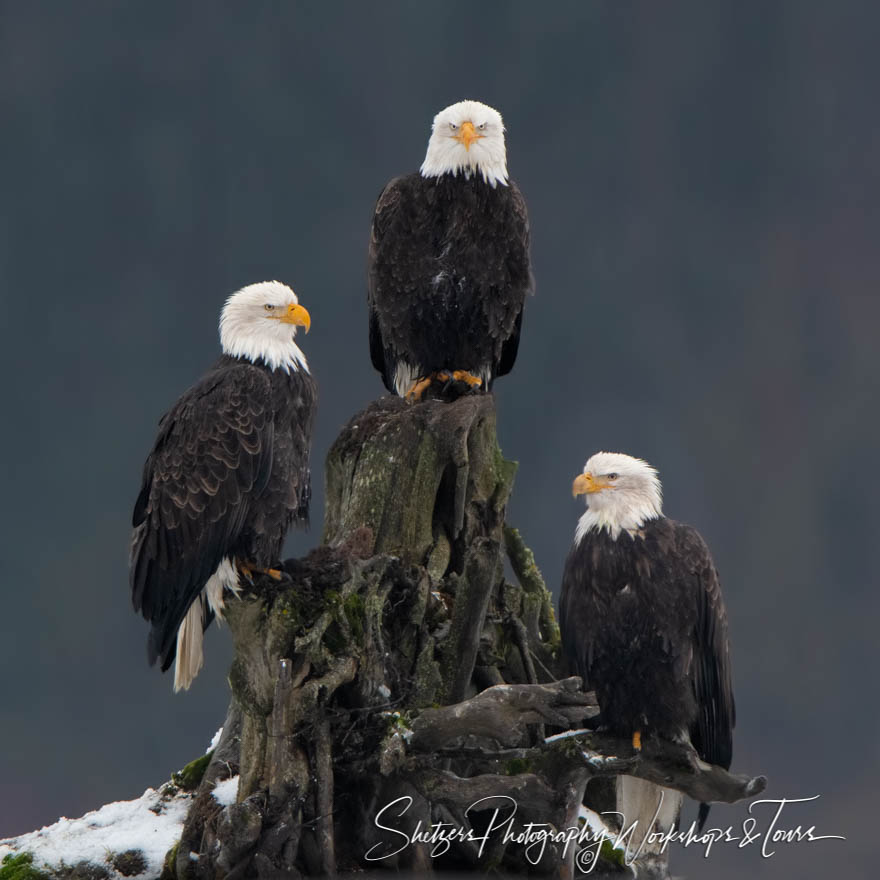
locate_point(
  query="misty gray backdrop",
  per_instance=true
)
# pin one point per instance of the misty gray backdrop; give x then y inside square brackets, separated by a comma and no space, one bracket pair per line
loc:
[703,190]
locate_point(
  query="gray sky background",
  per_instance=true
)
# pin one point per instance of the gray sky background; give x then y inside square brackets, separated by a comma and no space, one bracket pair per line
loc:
[702,180]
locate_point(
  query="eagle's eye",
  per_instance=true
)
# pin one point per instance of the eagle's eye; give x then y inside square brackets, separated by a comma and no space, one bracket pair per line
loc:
[453,126]
[268,307]
[612,476]
[482,126]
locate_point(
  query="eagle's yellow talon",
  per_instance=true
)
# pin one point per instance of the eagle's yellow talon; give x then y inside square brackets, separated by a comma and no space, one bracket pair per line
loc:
[418,388]
[248,571]
[465,376]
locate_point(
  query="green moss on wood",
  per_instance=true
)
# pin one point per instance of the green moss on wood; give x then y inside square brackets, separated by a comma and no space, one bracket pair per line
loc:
[389,487]
[169,866]
[355,611]
[191,775]
[539,598]
[427,680]
[516,766]
[505,474]
[288,607]
[523,561]
[335,639]
[609,853]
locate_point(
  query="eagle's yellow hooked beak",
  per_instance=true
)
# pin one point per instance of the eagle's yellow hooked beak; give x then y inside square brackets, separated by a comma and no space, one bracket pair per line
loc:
[587,484]
[467,135]
[297,314]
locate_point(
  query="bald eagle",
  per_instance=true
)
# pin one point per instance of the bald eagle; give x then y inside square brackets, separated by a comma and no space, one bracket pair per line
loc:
[228,474]
[449,266]
[643,622]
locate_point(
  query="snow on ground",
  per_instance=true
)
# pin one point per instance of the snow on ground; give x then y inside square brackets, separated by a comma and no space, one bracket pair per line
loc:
[151,824]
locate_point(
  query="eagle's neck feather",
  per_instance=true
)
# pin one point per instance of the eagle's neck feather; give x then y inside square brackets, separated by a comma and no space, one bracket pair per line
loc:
[446,157]
[492,176]
[277,353]
[630,520]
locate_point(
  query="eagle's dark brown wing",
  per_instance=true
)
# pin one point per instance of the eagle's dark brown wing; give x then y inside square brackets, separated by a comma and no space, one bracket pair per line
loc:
[211,460]
[520,228]
[384,216]
[712,734]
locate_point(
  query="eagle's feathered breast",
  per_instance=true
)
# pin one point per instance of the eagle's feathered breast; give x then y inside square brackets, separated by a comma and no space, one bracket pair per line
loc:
[448,274]
[643,620]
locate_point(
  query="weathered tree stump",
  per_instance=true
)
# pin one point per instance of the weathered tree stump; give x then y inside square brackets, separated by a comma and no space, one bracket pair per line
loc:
[396,677]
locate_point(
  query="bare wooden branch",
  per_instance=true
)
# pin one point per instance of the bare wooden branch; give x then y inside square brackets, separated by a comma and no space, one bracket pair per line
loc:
[571,787]
[501,713]
[487,789]
[673,765]
[473,592]
[522,560]
[324,799]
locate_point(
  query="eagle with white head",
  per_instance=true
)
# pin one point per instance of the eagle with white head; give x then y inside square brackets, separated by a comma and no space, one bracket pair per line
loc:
[467,138]
[227,476]
[449,266]
[644,624]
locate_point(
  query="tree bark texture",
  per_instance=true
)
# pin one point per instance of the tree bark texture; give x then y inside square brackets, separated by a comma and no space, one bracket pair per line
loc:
[397,665]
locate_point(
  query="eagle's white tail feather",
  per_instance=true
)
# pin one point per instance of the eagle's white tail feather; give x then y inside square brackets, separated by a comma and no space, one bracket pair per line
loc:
[191,633]
[190,636]
[404,376]
[639,800]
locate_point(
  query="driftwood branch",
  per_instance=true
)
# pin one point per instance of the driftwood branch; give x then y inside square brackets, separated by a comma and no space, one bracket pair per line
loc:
[487,790]
[473,592]
[665,763]
[502,713]
[324,799]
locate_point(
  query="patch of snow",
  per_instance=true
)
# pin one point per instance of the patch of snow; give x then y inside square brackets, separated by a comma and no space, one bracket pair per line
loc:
[226,792]
[596,824]
[112,829]
[568,733]
[214,741]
